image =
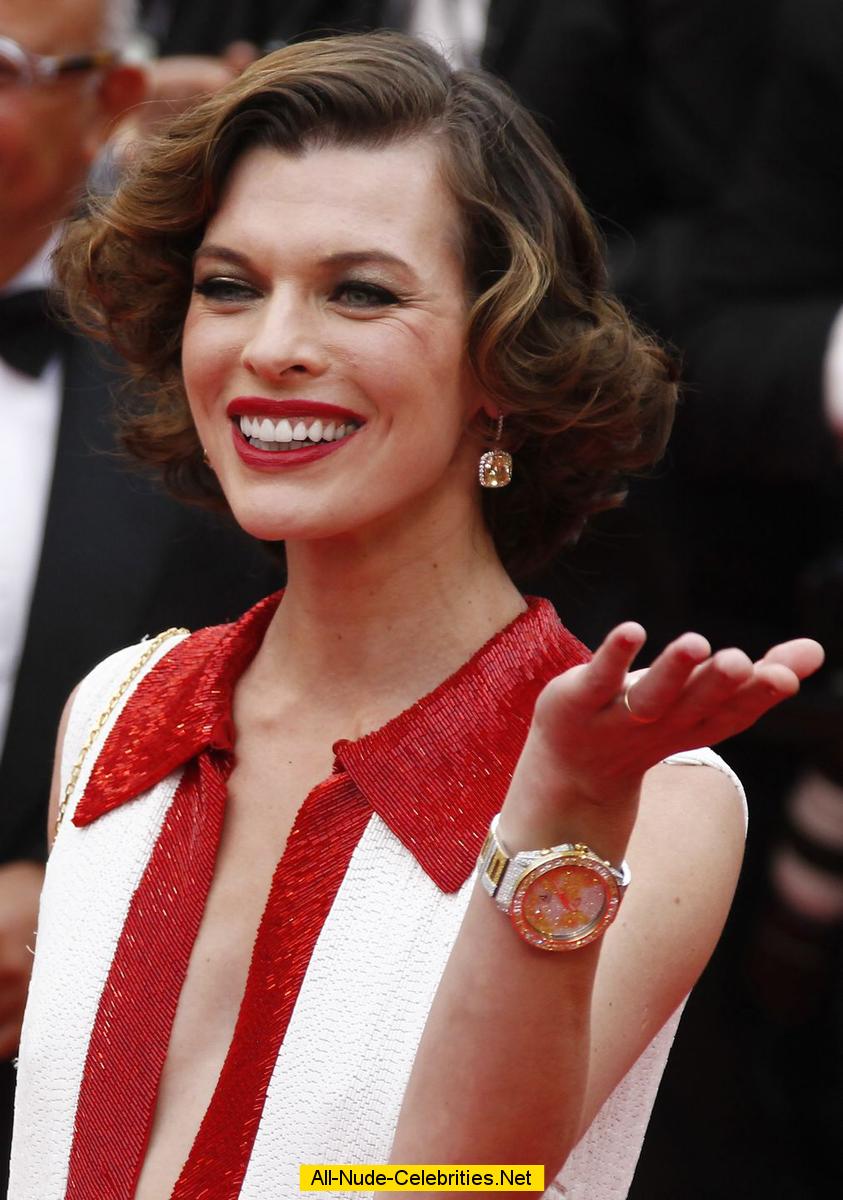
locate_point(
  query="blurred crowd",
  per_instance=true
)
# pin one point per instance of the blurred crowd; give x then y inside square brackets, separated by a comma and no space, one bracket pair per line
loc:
[706,139]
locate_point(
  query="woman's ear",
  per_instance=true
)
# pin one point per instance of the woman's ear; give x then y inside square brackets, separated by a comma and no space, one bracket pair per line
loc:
[485,407]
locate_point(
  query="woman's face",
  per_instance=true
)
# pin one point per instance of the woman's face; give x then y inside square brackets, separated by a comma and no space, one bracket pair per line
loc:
[324,347]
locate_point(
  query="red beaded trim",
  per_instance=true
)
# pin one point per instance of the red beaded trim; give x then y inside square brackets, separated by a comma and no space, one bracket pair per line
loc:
[329,825]
[138,1005]
[136,1013]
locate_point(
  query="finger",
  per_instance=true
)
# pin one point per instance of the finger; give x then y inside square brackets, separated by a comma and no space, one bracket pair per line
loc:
[601,680]
[657,689]
[770,684]
[714,684]
[802,655]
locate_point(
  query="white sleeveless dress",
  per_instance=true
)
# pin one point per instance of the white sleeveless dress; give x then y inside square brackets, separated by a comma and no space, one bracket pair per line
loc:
[337,1081]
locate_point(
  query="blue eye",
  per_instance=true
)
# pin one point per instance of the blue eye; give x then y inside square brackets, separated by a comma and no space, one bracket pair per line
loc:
[356,293]
[224,289]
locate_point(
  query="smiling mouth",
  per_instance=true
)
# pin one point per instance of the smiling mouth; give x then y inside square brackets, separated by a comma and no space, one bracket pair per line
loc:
[292,433]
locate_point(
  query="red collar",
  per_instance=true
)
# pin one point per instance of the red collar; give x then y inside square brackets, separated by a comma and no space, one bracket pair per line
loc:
[435,774]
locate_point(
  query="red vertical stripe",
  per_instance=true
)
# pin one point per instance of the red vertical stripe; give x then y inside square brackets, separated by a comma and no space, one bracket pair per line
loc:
[135,1017]
[136,1012]
[329,825]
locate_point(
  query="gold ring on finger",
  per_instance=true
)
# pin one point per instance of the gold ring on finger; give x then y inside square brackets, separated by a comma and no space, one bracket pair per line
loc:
[634,716]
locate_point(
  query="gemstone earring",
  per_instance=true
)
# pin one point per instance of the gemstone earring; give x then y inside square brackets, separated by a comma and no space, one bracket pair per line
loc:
[495,466]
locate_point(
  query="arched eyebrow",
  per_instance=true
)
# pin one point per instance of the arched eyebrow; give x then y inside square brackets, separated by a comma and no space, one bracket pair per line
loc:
[340,259]
[209,250]
[359,258]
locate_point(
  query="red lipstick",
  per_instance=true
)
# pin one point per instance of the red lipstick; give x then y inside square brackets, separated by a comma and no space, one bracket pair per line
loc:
[281,460]
[247,406]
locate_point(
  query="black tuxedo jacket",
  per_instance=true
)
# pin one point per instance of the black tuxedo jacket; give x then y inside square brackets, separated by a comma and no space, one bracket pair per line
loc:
[119,560]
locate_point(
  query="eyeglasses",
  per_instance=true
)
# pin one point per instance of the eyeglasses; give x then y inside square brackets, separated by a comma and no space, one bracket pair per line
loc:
[22,68]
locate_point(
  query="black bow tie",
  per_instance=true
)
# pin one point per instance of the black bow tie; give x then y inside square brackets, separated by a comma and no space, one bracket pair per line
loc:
[29,336]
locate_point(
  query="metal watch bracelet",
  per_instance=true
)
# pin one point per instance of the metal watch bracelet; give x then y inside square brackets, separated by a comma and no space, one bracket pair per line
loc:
[499,871]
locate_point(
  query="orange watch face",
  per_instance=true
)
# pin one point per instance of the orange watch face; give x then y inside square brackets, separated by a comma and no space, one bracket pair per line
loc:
[565,905]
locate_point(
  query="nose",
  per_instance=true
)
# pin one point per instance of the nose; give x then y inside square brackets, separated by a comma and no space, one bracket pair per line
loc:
[287,338]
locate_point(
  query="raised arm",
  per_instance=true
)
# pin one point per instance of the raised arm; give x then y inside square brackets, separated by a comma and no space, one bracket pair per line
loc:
[523,1046]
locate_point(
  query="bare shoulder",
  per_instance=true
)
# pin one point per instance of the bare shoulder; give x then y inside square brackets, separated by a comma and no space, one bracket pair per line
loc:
[685,856]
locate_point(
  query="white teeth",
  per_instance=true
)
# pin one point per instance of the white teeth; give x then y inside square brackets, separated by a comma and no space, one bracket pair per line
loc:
[267,434]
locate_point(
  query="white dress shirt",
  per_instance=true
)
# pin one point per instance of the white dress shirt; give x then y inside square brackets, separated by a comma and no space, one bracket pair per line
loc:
[30,413]
[455,27]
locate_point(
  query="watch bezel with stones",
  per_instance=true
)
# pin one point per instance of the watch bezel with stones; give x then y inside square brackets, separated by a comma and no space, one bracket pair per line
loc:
[511,882]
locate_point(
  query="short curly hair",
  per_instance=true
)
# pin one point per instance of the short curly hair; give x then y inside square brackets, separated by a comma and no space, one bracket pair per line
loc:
[588,397]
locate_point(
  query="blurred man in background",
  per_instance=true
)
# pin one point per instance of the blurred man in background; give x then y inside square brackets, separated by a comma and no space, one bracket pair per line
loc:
[90,558]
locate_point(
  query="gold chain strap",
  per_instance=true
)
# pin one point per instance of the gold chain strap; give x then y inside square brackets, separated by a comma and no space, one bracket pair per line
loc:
[106,713]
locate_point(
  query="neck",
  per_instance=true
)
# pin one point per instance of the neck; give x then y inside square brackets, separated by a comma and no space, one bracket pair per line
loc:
[376,626]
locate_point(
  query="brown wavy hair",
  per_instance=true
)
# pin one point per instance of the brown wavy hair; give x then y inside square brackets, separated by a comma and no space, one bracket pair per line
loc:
[588,398]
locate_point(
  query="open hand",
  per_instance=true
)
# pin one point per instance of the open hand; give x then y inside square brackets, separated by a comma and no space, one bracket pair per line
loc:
[689,697]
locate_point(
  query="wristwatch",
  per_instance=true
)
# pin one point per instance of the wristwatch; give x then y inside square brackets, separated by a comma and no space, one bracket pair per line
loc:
[559,898]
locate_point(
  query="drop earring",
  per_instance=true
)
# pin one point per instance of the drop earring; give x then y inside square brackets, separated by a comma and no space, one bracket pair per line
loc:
[495,466]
